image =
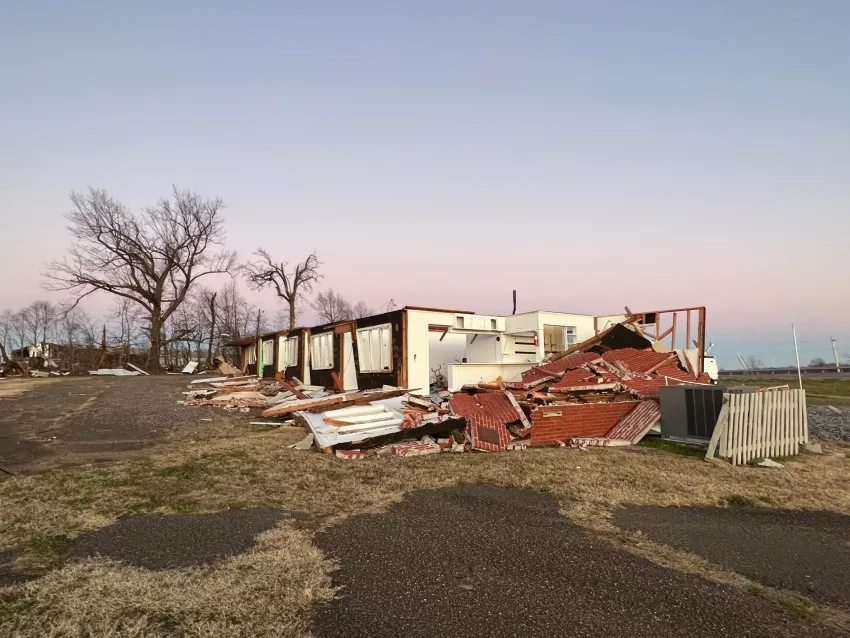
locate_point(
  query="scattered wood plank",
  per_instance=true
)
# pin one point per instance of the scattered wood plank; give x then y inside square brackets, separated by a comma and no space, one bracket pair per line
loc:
[137,369]
[292,389]
[337,383]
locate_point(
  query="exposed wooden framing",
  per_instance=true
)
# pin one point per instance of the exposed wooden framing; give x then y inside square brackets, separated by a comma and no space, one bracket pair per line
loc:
[688,330]
[337,381]
[657,325]
[433,327]
[474,337]
[344,327]
[456,312]
[664,334]
[595,326]
[402,374]
[445,332]
[672,356]
[701,340]
[673,331]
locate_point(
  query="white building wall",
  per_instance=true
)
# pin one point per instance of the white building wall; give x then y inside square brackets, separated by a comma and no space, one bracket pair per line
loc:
[419,343]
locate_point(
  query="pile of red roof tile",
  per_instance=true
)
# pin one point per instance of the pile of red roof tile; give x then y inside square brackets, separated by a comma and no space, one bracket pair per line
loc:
[581,376]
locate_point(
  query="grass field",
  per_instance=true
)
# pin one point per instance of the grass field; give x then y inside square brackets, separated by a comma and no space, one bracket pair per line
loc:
[815,388]
[271,590]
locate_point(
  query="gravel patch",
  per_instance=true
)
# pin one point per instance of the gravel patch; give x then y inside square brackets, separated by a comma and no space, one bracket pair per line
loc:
[165,541]
[805,551]
[827,425]
[481,560]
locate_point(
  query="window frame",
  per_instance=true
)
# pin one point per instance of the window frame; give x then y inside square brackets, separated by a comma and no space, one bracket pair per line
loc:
[286,350]
[316,341]
[380,330]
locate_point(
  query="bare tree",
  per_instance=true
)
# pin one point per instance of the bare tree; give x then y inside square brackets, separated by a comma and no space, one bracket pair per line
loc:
[210,316]
[235,314]
[753,362]
[361,310]
[152,259]
[127,322]
[7,319]
[289,283]
[331,306]
[817,362]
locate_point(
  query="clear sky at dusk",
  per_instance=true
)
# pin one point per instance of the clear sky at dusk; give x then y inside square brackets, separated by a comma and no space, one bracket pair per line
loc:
[589,154]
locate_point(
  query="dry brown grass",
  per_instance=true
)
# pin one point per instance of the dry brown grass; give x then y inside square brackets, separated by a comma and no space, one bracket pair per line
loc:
[258,470]
[266,592]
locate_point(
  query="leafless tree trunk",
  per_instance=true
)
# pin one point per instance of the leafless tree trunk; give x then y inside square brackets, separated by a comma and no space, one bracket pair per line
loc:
[290,284]
[152,259]
[212,317]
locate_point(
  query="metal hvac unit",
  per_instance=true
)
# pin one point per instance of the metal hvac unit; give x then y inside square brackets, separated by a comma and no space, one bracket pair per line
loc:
[689,413]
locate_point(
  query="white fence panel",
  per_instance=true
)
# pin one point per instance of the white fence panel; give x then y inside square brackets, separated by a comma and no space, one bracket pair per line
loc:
[760,424]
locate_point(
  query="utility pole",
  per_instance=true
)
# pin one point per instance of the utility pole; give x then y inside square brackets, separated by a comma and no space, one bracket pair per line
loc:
[835,355]
[797,354]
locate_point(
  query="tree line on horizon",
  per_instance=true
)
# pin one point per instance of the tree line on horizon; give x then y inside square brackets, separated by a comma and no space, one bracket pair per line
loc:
[153,263]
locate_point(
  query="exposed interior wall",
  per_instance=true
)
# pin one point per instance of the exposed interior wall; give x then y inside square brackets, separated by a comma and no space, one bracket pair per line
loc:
[452,349]
[349,372]
[460,374]
[419,341]
[485,348]
[563,422]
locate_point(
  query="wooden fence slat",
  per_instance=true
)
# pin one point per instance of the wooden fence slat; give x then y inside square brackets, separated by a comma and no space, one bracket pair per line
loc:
[760,434]
[741,430]
[736,427]
[771,423]
[745,413]
[733,427]
[783,416]
[719,433]
[795,412]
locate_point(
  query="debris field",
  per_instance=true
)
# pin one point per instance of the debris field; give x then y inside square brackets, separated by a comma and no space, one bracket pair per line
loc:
[599,393]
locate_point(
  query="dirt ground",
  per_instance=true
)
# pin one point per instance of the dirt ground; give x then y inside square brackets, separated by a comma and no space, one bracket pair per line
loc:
[123,447]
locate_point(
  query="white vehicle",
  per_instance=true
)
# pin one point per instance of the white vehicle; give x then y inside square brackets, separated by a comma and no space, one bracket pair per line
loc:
[709,364]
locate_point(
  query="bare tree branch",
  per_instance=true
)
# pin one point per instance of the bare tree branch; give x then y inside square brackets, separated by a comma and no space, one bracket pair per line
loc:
[152,259]
[289,284]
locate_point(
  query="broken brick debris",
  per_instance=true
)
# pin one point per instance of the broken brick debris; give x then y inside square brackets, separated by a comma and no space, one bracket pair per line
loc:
[350,455]
[634,426]
[415,448]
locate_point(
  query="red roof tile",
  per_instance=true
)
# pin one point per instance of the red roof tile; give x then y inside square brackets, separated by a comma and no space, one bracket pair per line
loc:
[636,360]
[492,404]
[569,362]
[576,378]
[636,423]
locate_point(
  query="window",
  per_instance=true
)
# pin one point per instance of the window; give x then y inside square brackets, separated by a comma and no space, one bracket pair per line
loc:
[268,353]
[251,354]
[373,348]
[559,338]
[554,339]
[322,351]
[288,353]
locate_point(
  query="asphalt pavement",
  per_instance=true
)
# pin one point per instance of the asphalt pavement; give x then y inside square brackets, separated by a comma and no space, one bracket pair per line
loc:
[490,561]
[166,541]
[805,551]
